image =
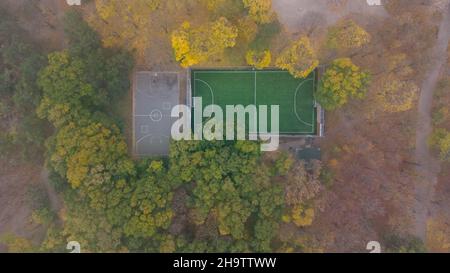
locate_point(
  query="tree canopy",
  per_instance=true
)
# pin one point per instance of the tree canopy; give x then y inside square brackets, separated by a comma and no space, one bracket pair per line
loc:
[346,34]
[259,60]
[299,59]
[124,24]
[196,45]
[22,133]
[397,95]
[341,81]
[441,141]
[230,185]
[260,10]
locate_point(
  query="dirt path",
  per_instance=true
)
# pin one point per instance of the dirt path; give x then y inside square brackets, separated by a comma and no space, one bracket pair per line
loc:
[298,14]
[429,168]
[55,199]
[42,20]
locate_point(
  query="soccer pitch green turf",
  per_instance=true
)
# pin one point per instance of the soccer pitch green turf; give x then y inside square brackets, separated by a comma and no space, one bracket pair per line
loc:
[261,87]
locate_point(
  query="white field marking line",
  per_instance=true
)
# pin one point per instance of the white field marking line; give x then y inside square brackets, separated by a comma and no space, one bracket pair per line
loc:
[295,105]
[146,116]
[256,105]
[134,99]
[284,134]
[151,142]
[149,135]
[255,88]
[298,132]
[193,92]
[237,71]
[159,72]
[269,71]
[150,73]
[134,87]
[314,101]
[210,90]
[149,96]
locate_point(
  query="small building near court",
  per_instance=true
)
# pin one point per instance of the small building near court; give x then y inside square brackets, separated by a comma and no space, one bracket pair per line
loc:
[309,155]
[73,2]
[374,2]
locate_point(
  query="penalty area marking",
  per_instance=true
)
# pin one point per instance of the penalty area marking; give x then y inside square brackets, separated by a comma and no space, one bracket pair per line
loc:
[255,93]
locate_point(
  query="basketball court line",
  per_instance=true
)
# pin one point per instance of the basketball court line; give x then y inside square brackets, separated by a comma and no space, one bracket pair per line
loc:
[162,116]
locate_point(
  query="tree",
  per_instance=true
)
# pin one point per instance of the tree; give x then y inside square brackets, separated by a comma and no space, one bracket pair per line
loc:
[397,95]
[300,215]
[54,241]
[441,141]
[299,59]
[66,89]
[437,240]
[302,186]
[282,164]
[396,243]
[260,10]
[136,209]
[231,9]
[341,81]
[22,132]
[213,5]
[263,235]
[109,200]
[82,39]
[346,34]
[229,184]
[150,203]
[88,226]
[196,45]
[124,24]
[17,244]
[259,60]
[90,154]
[83,78]
[248,29]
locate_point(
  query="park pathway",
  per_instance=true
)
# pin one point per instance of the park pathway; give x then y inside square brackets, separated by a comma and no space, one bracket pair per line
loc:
[428,167]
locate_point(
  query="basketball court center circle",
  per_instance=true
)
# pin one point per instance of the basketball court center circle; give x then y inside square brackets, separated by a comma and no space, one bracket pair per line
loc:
[156,115]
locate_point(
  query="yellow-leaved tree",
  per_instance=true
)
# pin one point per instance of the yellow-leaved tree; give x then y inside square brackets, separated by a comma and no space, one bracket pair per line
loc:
[397,95]
[258,59]
[346,34]
[90,154]
[300,215]
[247,29]
[440,140]
[214,4]
[299,59]
[196,45]
[438,235]
[260,10]
[124,23]
[341,81]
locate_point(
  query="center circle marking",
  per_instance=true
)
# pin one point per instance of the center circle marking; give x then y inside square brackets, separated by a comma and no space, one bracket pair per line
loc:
[156,115]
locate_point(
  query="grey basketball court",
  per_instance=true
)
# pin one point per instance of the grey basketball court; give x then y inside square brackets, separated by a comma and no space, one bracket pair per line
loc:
[155,94]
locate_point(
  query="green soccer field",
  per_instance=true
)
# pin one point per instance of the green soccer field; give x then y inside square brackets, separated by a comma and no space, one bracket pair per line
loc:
[261,87]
